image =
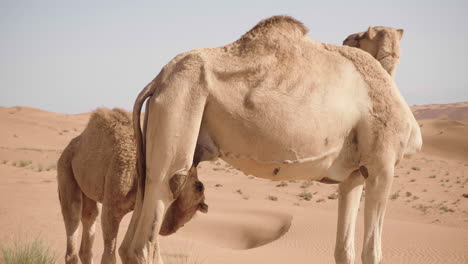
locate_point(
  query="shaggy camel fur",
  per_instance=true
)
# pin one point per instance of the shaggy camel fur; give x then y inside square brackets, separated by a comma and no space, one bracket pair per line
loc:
[383,43]
[279,106]
[99,166]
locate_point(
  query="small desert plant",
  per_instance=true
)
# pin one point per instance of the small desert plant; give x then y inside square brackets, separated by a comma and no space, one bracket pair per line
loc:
[40,168]
[446,209]
[416,168]
[282,184]
[218,185]
[412,180]
[306,184]
[239,191]
[395,196]
[24,163]
[321,200]
[422,208]
[432,177]
[4,161]
[20,252]
[187,257]
[306,196]
[408,194]
[52,167]
[333,196]
[272,198]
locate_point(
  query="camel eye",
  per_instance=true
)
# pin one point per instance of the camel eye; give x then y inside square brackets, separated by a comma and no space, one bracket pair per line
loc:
[199,186]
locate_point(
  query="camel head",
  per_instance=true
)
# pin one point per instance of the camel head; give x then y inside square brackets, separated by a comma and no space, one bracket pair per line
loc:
[383,43]
[189,194]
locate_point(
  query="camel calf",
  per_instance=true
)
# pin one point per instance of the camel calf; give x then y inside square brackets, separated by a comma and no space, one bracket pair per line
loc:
[98,166]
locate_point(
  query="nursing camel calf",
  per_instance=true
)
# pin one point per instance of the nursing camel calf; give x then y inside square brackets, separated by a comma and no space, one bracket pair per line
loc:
[99,166]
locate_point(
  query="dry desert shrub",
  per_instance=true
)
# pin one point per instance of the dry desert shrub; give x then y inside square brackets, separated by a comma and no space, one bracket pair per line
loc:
[333,196]
[306,184]
[272,198]
[52,167]
[21,252]
[416,168]
[306,196]
[181,256]
[395,196]
[423,208]
[282,184]
[24,163]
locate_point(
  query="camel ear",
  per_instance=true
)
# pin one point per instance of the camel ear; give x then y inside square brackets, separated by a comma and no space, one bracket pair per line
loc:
[371,33]
[177,183]
[400,32]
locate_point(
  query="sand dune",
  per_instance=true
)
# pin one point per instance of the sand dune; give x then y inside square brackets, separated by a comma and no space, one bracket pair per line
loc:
[445,138]
[252,220]
[456,111]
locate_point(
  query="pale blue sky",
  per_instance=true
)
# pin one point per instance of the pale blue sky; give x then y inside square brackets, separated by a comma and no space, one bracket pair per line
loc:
[74,56]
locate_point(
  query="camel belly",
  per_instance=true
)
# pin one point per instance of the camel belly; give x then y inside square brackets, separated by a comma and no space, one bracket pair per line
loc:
[311,168]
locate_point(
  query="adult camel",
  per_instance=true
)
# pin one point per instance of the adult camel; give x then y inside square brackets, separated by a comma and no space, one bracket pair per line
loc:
[279,106]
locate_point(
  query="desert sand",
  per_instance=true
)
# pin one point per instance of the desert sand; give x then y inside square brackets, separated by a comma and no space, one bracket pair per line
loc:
[252,220]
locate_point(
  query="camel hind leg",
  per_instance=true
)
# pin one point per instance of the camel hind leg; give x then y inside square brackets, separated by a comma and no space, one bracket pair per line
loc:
[71,203]
[110,221]
[173,125]
[89,214]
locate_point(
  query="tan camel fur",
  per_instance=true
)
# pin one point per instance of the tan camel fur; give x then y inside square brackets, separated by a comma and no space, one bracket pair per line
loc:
[279,106]
[98,166]
[383,43]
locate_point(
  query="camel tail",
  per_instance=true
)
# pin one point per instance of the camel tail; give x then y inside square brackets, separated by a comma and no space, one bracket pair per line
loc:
[138,133]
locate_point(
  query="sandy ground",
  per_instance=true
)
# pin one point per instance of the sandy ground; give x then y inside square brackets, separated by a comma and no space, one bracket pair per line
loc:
[252,220]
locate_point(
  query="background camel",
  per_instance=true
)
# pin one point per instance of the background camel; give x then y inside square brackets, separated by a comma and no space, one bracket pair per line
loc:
[279,106]
[383,43]
[99,166]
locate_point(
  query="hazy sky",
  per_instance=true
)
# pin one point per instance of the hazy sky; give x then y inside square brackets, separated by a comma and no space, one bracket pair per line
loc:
[74,56]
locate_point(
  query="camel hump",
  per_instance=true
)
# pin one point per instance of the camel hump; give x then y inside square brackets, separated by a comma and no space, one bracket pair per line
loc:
[272,33]
[115,124]
[283,23]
